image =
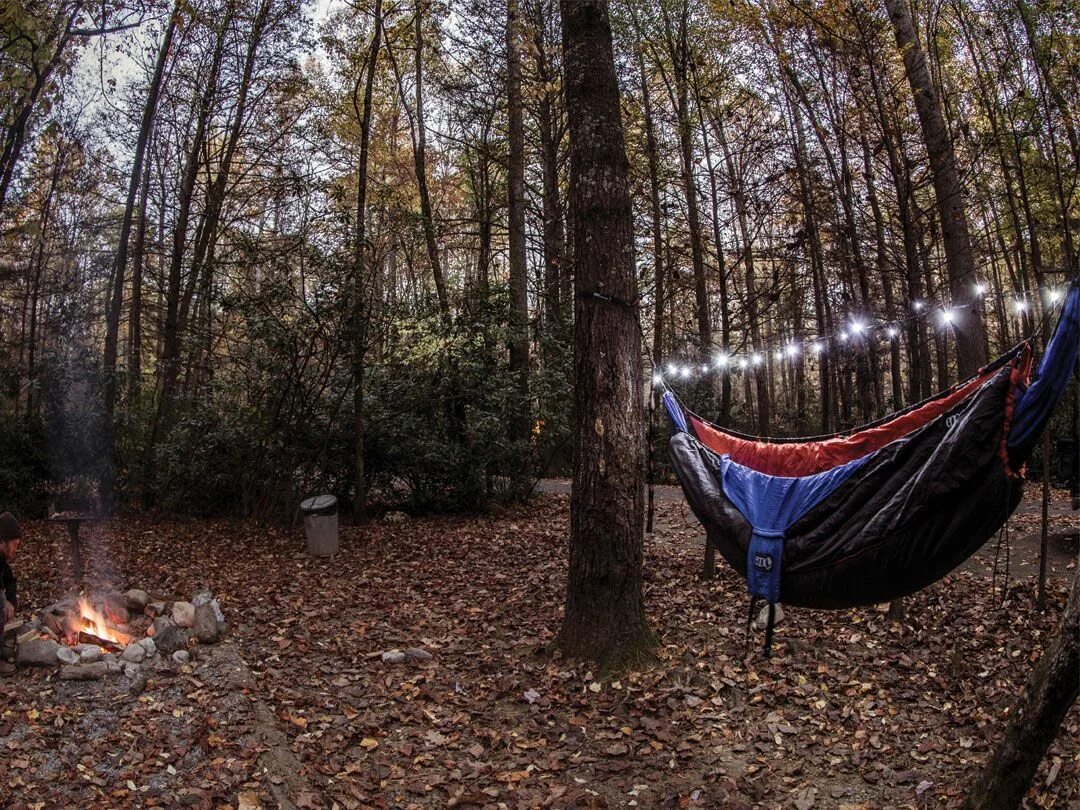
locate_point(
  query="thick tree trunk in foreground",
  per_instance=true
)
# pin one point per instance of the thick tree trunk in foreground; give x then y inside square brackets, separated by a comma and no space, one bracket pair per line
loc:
[1050,691]
[971,345]
[605,617]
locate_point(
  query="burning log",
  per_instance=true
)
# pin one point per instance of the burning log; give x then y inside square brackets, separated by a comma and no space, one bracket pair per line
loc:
[105,644]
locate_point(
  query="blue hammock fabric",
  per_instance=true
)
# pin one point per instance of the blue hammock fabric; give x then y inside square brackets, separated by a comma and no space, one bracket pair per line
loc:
[771,504]
[1035,405]
[894,520]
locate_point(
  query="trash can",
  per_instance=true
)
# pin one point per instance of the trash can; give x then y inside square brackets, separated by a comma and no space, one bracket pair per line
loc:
[321,525]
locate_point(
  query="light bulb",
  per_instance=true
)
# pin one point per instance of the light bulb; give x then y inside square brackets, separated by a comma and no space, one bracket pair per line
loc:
[756,359]
[721,360]
[980,289]
[891,332]
[858,327]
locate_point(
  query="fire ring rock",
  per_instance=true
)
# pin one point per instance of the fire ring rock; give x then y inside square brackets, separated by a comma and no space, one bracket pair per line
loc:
[206,624]
[183,614]
[169,638]
[37,652]
[66,655]
[137,600]
[84,672]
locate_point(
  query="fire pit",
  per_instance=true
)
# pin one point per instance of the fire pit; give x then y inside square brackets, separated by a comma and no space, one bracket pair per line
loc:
[89,637]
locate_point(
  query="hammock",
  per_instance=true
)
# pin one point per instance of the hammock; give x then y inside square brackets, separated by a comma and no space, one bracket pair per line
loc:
[883,511]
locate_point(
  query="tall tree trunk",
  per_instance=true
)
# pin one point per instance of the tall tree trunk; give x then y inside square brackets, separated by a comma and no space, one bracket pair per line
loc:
[658,281]
[170,354]
[752,310]
[135,311]
[604,619]
[420,163]
[971,343]
[551,198]
[519,274]
[1050,692]
[359,314]
[116,302]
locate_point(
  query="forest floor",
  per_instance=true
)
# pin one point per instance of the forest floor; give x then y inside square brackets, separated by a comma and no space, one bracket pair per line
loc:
[298,707]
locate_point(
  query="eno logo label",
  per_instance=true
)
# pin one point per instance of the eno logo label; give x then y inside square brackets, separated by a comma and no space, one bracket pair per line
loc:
[763,562]
[951,420]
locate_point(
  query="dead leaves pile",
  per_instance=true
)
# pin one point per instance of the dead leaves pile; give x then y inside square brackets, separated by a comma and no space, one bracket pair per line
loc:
[852,710]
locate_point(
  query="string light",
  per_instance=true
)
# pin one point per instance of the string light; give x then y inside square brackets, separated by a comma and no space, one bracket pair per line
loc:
[947,314]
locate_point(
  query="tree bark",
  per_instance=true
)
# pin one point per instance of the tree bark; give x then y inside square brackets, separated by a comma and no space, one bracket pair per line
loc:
[971,344]
[420,163]
[359,313]
[1050,692]
[519,278]
[604,619]
[135,181]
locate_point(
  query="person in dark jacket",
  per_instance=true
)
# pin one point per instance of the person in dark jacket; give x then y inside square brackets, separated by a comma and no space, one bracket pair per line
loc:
[10,535]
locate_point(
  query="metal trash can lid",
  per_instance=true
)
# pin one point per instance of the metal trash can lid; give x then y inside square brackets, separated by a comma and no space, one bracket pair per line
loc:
[319,505]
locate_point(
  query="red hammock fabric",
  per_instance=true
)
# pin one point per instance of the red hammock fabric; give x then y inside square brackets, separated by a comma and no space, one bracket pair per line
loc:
[794,459]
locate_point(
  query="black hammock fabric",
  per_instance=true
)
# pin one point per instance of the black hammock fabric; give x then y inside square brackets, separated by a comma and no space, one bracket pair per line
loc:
[911,513]
[871,527]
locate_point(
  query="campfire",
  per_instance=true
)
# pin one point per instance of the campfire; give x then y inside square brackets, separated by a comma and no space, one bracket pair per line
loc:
[91,627]
[90,636]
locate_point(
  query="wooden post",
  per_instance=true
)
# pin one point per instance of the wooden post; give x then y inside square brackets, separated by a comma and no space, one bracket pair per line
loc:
[73,531]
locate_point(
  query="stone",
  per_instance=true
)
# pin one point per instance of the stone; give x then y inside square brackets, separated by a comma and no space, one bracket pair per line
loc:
[416,654]
[132,670]
[181,657]
[84,672]
[138,683]
[133,654]
[114,606]
[160,623]
[762,620]
[206,624]
[89,653]
[37,652]
[154,609]
[183,614]
[66,655]
[137,600]
[394,657]
[169,639]
[150,646]
[112,663]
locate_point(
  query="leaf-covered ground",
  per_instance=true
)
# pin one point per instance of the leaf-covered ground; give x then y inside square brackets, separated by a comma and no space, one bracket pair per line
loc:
[851,711]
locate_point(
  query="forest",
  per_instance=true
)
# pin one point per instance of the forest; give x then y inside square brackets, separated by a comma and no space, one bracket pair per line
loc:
[436,257]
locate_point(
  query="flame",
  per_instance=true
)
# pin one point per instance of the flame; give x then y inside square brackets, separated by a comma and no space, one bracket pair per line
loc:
[95,623]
